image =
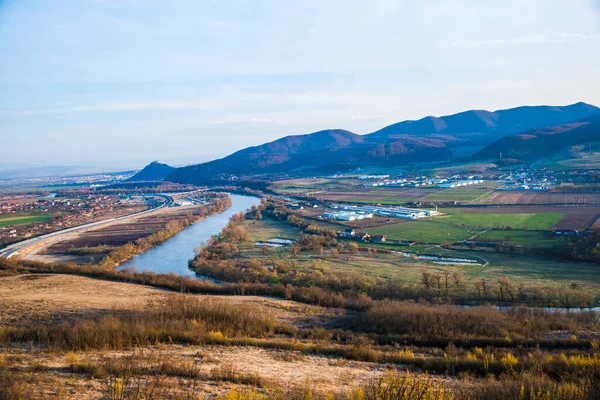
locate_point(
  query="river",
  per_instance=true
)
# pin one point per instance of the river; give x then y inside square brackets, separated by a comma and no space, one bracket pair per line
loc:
[174,254]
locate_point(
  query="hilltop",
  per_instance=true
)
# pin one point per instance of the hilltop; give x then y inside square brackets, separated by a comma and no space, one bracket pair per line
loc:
[154,171]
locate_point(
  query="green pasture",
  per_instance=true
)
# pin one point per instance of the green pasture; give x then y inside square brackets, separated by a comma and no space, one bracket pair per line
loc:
[23,219]
[534,222]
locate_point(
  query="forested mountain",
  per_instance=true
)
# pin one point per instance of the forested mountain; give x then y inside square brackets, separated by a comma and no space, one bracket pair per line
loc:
[429,139]
[543,142]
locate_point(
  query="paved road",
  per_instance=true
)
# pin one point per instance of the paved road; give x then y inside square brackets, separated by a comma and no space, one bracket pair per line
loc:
[14,249]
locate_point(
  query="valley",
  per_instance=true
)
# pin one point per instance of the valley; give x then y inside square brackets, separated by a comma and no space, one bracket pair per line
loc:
[459,278]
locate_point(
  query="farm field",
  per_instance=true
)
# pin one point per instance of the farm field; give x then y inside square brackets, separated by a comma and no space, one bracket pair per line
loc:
[312,184]
[474,167]
[388,195]
[532,269]
[268,228]
[531,238]
[402,195]
[105,239]
[391,200]
[425,232]
[458,224]
[530,221]
[379,265]
[577,157]
[542,269]
[466,194]
[23,219]
[573,217]
[37,189]
[508,197]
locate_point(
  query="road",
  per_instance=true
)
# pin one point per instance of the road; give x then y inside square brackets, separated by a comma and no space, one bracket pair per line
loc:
[14,249]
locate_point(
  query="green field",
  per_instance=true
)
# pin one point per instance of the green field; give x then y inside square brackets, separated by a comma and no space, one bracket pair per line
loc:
[267,228]
[540,269]
[457,194]
[535,238]
[530,269]
[23,219]
[427,232]
[303,185]
[391,200]
[576,157]
[535,222]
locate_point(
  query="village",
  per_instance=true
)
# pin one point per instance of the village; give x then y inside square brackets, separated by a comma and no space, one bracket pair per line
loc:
[25,216]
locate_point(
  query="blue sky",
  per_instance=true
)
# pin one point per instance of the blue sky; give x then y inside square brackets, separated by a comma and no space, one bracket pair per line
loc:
[118,83]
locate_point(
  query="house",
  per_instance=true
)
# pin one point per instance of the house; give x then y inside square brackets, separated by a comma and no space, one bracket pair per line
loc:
[378,239]
[363,236]
[350,232]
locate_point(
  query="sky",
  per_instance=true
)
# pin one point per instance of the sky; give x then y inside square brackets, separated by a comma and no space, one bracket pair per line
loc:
[119,83]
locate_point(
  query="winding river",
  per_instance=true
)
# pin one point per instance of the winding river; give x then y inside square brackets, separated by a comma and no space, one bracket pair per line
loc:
[174,254]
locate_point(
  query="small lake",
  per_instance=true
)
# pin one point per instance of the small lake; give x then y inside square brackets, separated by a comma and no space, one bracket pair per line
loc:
[174,254]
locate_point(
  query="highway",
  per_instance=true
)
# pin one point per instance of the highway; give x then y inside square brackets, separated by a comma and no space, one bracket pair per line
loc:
[14,248]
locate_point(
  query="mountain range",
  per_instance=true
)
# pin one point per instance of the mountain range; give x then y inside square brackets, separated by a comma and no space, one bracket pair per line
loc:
[431,139]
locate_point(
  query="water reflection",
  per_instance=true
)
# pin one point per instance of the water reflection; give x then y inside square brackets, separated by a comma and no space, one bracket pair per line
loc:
[174,254]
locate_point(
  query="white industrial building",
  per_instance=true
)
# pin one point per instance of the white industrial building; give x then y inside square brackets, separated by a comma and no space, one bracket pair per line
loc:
[362,212]
[347,215]
[455,184]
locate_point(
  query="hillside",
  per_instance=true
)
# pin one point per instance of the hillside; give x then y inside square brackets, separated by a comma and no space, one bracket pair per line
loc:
[544,142]
[482,127]
[154,171]
[427,140]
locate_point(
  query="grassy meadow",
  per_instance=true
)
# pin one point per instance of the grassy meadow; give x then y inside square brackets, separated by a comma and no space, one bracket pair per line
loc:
[423,231]
[23,219]
[535,222]
[382,264]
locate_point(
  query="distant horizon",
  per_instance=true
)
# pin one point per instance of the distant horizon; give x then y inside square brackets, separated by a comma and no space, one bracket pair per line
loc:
[113,84]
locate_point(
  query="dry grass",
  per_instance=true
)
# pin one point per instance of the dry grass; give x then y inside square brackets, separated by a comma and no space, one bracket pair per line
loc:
[45,298]
[215,370]
[150,343]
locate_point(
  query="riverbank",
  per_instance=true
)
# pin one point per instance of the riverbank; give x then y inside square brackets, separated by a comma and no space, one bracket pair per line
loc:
[173,255]
[219,203]
[112,244]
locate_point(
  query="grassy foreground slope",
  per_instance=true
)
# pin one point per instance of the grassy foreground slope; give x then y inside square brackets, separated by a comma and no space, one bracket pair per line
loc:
[96,339]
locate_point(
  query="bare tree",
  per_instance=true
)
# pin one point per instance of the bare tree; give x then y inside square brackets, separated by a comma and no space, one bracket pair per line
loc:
[335,253]
[446,272]
[506,288]
[457,278]
[427,279]
[481,285]
[438,280]
[294,250]
[353,247]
